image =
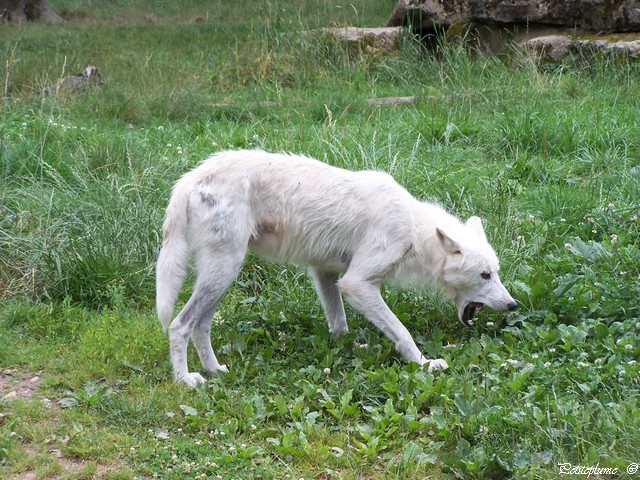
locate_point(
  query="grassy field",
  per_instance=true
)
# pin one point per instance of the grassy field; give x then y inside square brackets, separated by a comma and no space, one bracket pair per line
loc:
[548,157]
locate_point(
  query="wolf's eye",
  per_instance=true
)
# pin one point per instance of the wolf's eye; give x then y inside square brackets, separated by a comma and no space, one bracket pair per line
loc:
[485,275]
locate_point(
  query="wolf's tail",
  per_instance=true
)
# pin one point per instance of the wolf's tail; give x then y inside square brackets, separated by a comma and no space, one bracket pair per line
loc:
[174,255]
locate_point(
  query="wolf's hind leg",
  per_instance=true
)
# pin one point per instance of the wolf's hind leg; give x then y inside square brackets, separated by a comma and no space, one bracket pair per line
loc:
[331,300]
[200,306]
[201,338]
[216,270]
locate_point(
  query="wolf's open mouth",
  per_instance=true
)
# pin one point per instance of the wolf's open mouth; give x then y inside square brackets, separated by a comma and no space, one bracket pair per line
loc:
[469,311]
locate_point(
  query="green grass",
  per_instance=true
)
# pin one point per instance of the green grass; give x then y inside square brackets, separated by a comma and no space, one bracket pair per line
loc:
[547,157]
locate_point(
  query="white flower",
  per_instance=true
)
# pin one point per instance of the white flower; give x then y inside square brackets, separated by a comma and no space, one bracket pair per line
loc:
[327,371]
[614,239]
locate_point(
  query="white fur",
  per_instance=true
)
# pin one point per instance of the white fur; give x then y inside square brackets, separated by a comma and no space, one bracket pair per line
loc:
[353,230]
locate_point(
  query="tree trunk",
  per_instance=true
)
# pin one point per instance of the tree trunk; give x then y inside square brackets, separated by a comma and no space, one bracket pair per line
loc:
[19,11]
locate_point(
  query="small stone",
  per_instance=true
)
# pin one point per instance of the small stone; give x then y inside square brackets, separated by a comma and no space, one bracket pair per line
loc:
[11,395]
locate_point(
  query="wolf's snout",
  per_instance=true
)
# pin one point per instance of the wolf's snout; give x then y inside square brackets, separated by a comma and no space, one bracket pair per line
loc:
[512,306]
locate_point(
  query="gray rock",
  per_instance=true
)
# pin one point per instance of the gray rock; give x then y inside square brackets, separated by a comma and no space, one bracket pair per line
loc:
[594,15]
[549,49]
[625,47]
[381,38]
[90,76]
[558,48]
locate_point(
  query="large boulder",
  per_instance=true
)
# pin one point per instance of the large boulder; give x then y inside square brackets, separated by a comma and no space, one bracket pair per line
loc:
[593,15]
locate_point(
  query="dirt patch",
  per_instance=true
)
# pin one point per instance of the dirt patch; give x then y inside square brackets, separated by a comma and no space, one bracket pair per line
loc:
[16,383]
[68,466]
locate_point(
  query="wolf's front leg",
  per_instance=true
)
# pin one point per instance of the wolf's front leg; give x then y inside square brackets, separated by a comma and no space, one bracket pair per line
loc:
[365,296]
[329,294]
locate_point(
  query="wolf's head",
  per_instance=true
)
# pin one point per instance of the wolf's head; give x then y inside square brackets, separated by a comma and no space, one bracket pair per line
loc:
[470,271]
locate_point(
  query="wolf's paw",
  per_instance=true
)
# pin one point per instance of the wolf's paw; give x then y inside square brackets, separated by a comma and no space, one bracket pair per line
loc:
[191,380]
[214,371]
[437,364]
[338,329]
[223,369]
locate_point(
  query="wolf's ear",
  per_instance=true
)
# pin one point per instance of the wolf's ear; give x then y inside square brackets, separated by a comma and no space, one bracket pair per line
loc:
[450,245]
[475,224]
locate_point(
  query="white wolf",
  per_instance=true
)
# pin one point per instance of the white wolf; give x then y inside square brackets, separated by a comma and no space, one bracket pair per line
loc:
[353,230]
